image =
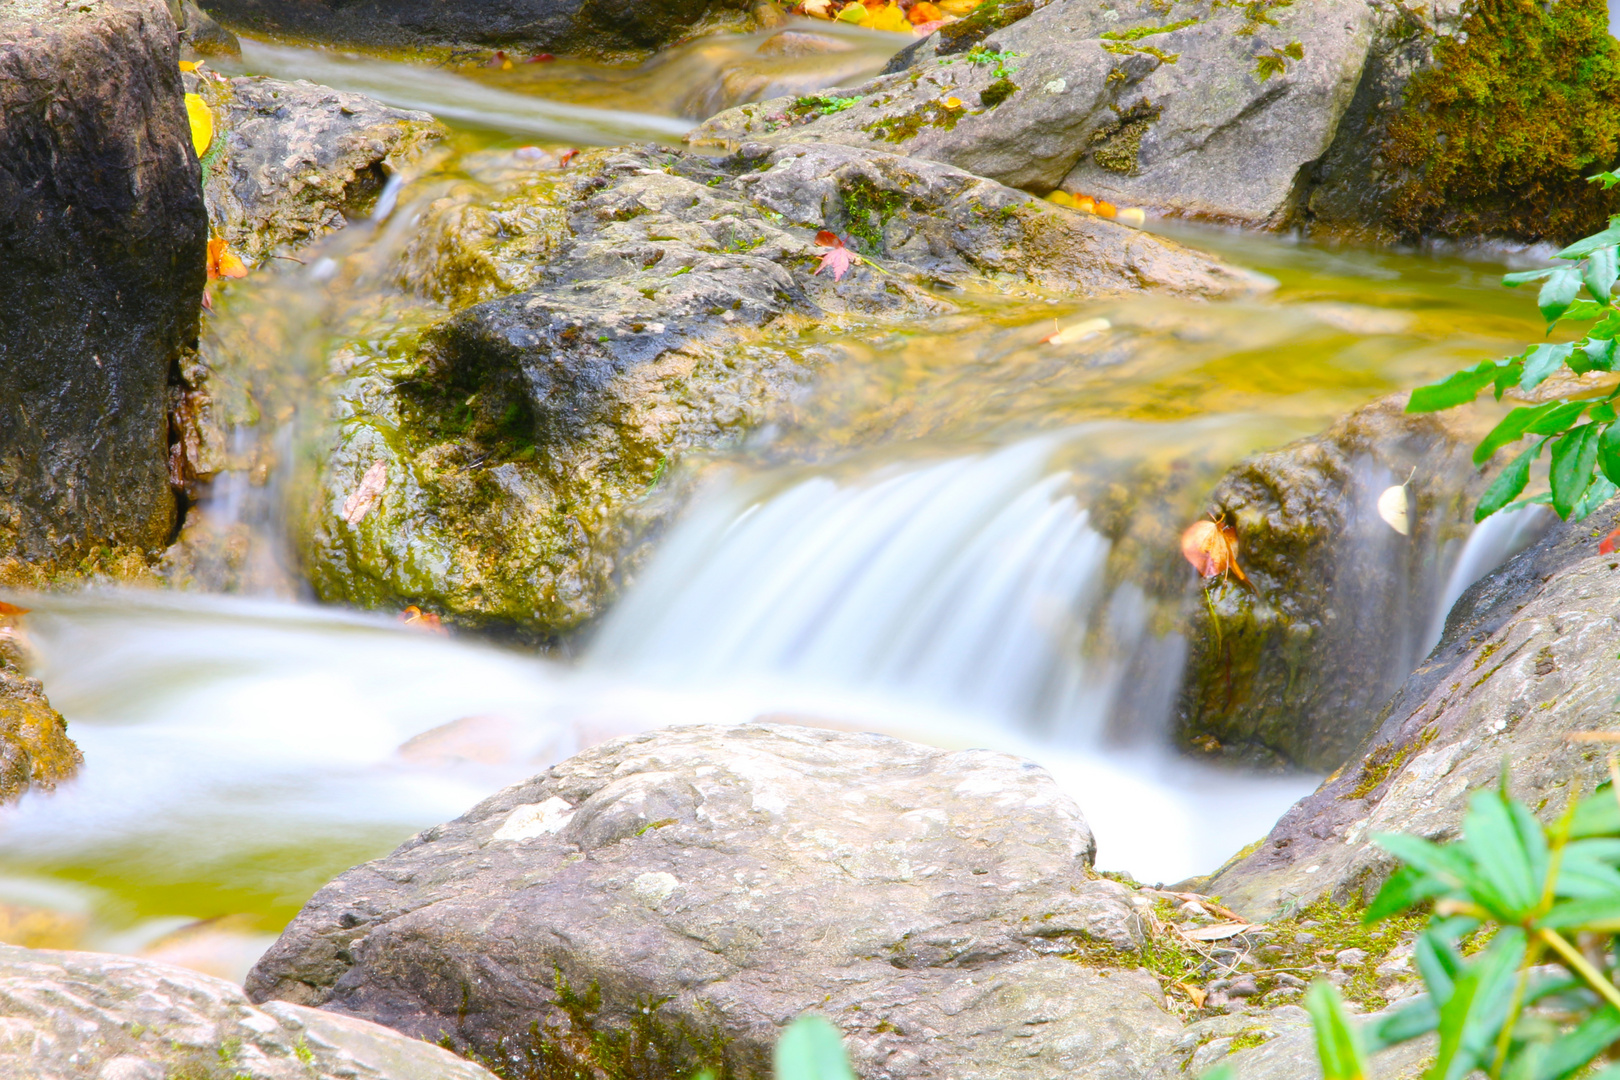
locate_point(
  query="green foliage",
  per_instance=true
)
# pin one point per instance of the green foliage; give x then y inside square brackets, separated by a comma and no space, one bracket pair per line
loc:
[1275,61]
[1138,32]
[811,1049]
[823,105]
[1552,898]
[984,57]
[1583,469]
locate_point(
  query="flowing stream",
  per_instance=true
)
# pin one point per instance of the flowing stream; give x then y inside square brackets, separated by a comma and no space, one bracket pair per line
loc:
[912,547]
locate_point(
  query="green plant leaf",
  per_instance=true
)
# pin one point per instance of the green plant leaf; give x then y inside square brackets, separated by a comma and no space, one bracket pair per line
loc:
[811,1049]
[1458,389]
[1597,915]
[1540,361]
[1478,1006]
[1410,1020]
[1600,492]
[1338,1043]
[1406,888]
[1511,429]
[1575,1050]
[1574,457]
[1524,277]
[1596,815]
[1223,1071]
[1580,249]
[1609,456]
[1593,354]
[1506,487]
[1602,268]
[1509,850]
[1438,963]
[1559,292]
[1557,420]
[1448,864]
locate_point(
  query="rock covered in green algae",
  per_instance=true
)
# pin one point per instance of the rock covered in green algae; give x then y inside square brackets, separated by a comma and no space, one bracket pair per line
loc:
[683,894]
[1295,670]
[35,751]
[663,298]
[98,1016]
[1527,658]
[1098,99]
[102,253]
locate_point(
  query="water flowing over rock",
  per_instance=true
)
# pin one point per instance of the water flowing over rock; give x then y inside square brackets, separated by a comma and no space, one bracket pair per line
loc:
[97,1016]
[561,26]
[1295,670]
[637,307]
[1526,660]
[682,895]
[102,256]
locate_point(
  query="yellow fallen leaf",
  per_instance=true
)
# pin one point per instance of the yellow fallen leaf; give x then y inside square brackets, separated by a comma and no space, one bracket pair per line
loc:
[223,262]
[1393,508]
[1078,332]
[952,102]
[202,123]
[890,18]
[1060,197]
[1131,215]
[190,65]
[854,13]
[1196,994]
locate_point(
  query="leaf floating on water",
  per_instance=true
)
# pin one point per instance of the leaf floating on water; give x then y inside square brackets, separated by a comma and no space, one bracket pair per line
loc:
[202,122]
[1080,331]
[1394,509]
[12,610]
[1212,548]
[839,259]
[371,486]
[223,262]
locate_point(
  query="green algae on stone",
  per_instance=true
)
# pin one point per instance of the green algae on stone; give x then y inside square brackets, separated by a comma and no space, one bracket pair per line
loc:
[898,129]
[1498,136]
[985,20]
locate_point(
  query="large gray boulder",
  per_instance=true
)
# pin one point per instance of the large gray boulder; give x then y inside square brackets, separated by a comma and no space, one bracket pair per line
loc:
[563,26]
[639,307]
[1527,659]
[94,1016]
[1179,119]
[102,260]
[1294,670]
[678,897]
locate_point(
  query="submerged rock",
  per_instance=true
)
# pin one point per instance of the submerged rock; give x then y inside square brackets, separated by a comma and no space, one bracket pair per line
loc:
[656,309]
[680,896]
[591,27]
[35,751]
[1526,660]
[101,1017]
[102,255]
[1294,670]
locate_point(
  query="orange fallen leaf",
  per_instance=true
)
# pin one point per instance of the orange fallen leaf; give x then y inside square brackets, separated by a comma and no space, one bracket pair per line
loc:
[923,12]
[1212,548]
[1197,995]
[951,102]
[417,619]
[12,609]
[1104,209]
[1609,542]
[567,156]
[223,262]
[371,486]
[1085,203]
[839,259]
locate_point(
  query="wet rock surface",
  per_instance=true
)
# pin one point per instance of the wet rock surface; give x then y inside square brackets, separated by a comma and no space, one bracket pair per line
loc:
[1294,670]
[35,751]
[95,1016]
[656,301]
[102,255]
[560,26]
[687,892]
[291,161]
[1524,663]
[1103,101]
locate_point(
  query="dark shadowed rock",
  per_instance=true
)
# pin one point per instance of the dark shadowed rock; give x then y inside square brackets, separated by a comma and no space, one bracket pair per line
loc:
[94,1016]
[571,26]
[680,896]
[1526,659]
[102,259]
[1296,670]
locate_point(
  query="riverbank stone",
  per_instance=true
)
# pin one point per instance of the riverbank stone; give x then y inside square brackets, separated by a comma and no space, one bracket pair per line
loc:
[102,260]
[683,894]
[589,27]
[1526,660]
[1293,671]
[637,308]
[96,1016]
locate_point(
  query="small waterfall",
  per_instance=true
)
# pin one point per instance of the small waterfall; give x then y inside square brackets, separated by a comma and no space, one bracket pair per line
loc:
[1493,542]
[975,584]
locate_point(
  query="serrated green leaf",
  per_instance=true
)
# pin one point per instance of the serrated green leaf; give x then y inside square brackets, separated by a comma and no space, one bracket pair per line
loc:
[1601,491]
[1574,458]
[1338,1043]
[1458,389]
[1406,888]
[1471,1019]
[1511,429]
[1602,268]
[1607,179]
[811,1049]
[1506,487]
[1559,293]
[1580,249]
[1583,309]
[1509,852]
[1541,361]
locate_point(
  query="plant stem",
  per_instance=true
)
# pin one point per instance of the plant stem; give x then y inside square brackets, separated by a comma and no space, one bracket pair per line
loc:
[1582,967]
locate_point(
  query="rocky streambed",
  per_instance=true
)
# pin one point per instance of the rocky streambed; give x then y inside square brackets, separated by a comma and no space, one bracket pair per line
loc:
[485,383]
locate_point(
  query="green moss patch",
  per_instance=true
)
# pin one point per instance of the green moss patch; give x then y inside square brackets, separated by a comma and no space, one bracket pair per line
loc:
[997,92]
[1498,135]
[898,129]
[985,20]
[1385,761]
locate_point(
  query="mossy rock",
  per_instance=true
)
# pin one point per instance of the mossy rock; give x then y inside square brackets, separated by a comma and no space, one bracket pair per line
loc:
[35,751]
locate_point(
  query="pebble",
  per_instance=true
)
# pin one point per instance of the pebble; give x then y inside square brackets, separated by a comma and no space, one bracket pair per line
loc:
[1352,958]
[1242,988]
[1293,982]
[1306,939]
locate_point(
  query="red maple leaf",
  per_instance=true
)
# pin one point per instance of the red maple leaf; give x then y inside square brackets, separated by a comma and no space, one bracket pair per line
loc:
[1609,542]
[839,259]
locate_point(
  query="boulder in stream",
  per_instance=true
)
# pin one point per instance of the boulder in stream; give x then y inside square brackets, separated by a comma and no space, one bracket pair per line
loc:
[639,307]
[102,260]
[1294,670]
[1527,659]
[35,751]
[680,896]
[95,1016]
